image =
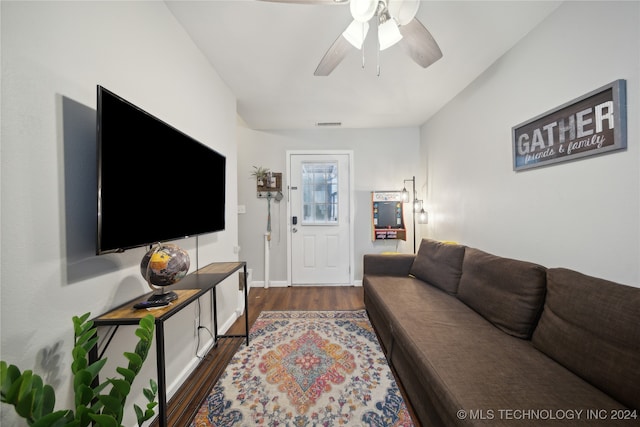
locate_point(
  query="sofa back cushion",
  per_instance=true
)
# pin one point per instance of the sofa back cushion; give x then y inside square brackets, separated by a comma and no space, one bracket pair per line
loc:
[439,264]
[592,327]
[507,292]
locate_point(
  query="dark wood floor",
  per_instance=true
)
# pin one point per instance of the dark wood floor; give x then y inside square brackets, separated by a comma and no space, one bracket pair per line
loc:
[187,400]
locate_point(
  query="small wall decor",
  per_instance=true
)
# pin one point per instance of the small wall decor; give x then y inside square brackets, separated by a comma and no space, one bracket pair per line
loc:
[595,123]
[272,182]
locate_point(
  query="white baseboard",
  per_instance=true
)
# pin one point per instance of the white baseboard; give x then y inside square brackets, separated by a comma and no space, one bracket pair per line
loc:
[272,284]
[284,284]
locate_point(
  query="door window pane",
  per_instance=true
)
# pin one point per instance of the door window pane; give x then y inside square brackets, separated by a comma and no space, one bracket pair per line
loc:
[320,193]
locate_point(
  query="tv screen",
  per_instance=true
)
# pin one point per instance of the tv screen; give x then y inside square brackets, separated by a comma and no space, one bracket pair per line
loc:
[389,215]
[155,183]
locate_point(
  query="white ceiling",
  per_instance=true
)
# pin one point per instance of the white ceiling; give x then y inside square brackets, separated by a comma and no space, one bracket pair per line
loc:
[267,52]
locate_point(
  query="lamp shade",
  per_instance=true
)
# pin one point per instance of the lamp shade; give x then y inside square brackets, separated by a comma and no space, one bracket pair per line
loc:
[363,10]
[388,34]
[423,218]
[405,195]
[403,10]
[356,33]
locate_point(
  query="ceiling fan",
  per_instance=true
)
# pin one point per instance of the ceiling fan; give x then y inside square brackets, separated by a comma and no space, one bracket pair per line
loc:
[396,23]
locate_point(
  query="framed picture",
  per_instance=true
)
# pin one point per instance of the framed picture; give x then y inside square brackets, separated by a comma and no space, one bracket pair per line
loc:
[593,124]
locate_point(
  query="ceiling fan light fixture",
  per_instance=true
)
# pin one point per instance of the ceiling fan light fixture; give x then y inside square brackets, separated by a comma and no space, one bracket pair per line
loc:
[388,34]
[356,33]
[403,10]
[363,10]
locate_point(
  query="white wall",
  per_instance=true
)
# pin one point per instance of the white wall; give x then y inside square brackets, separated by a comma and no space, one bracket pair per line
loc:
[383,158]
[53,56]
[582,215]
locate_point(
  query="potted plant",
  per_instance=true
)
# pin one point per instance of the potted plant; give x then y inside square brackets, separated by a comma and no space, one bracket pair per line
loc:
[95,403]
[261,175]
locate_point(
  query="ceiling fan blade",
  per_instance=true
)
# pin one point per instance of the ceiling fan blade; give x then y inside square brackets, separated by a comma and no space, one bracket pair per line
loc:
[309,1]
[336,53]
[419,43]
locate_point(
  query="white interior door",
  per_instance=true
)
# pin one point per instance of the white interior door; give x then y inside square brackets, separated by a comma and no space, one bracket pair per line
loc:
[319,232]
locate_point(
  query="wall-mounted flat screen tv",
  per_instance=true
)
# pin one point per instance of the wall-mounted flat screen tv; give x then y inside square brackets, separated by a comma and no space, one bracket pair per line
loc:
[155,183]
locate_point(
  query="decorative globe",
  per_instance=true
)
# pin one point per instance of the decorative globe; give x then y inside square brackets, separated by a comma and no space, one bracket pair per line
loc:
[164,265]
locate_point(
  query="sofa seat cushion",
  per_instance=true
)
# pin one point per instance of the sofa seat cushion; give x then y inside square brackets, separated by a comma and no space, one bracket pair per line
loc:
[507,292]
[475,367]
[592,327]
[463,362]
[385,295]
[439,264]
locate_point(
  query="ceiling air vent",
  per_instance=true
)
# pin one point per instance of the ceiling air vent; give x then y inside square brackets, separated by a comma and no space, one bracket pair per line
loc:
[328,124]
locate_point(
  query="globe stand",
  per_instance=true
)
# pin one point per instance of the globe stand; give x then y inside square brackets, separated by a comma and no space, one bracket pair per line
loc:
[162,296]
[162,266]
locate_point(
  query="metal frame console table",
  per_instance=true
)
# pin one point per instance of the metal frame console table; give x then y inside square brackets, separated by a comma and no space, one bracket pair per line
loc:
[188,289]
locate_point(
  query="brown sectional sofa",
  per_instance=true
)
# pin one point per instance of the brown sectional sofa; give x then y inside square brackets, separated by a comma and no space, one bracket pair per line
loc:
[478,339]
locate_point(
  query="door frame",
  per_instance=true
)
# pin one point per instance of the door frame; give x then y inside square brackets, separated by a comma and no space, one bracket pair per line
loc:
[349,154]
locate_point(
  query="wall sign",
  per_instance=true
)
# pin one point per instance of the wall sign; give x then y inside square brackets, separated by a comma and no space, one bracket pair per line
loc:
[595,123]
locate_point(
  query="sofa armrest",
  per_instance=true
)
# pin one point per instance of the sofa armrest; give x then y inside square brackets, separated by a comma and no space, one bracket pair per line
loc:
[388,265]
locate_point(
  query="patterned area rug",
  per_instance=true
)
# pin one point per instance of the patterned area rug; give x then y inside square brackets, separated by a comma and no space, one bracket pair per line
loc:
[307,368]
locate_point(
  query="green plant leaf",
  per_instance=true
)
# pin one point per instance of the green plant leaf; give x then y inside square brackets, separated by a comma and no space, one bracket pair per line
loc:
[147,322]
[154,386]
[84,395]
[139,414]
[99,388]
[55,419]
[24,408]
[83,414]
[94,368]
[80,362]
[38,389]
[89,344]
[128,374]
[143,416]
[144,335]
[77,321]
[86,332]
[9,375]
[142,349]
[134,359]
[150,395]
[104,420]
[47,401]
[122,386]
[14,389]
[82,377]
[25,384]
[112,405]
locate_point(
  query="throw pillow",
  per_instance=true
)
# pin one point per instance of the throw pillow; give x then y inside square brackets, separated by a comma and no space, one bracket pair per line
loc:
[439,264]
[507,292]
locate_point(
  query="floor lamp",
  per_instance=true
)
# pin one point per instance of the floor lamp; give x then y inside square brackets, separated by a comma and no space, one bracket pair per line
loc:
[405,198]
